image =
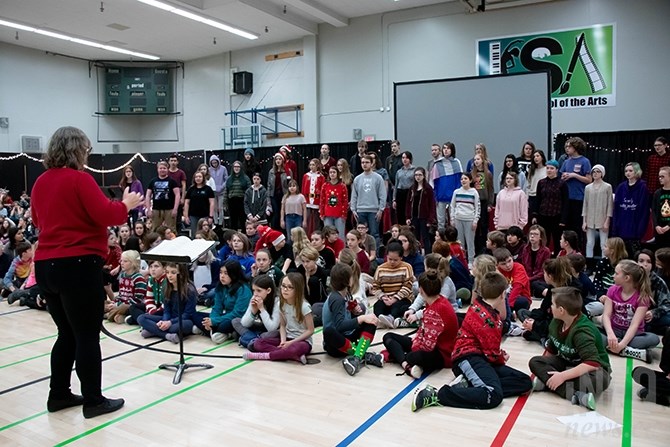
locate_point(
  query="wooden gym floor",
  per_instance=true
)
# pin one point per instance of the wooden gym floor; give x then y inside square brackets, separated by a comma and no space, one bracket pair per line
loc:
[285,403]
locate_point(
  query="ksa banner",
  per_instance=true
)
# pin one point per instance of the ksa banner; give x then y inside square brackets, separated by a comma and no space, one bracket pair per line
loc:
[580,61]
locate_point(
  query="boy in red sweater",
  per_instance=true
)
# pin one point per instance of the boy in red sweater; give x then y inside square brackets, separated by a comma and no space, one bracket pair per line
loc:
[483,378]
[517,279]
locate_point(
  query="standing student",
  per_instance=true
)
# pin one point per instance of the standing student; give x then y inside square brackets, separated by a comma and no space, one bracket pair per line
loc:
[296,326]
[536,172]
[277,185]
[200,203]
[179,176]
[435,153]
[249,165]
[551,211]
[576,173]
[631,208]
[483,379]
[347,330]
[368,197]
[325,160]
[525,159]
[575,364]
[236,186]
[220,174]
[355,164]
[597,210]
[162,199]
[420,208]
[660,209]
[626,304]
[510,165]
[483,184]
[257,206]
[166,326]
[312,182]
[511,204]
[431,348]
[465,210]
[130,180]
[334,202]
[445,179]
[73,244]
[404,180]
[656,161]
[480,149]
[393,163]
[293,208]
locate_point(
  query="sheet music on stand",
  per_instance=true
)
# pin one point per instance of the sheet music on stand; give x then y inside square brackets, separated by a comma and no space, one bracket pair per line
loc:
[181,250]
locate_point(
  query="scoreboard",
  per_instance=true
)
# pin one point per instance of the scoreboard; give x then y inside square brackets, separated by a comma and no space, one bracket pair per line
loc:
[139,90]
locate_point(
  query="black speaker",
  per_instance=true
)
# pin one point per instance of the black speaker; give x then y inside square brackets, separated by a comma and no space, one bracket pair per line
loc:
[243,82]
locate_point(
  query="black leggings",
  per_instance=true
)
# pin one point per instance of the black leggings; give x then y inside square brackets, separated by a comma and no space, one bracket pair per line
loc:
[334,340]
[400,348]
[396,310]
[73,289]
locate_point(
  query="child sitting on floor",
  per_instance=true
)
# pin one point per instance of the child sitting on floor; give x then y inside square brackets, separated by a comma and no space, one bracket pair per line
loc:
[575,364]
[132,288]
[483,378]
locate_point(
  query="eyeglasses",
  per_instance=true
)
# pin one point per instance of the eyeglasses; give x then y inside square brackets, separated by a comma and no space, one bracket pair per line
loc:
[287,287]
[658,144]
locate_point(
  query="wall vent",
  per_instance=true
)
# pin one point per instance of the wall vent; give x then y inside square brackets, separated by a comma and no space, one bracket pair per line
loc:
[31,143]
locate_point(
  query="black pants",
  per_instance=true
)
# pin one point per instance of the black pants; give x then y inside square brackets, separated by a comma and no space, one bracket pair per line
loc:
[396,310]
[74,292]
[334,340]
[489,384]
[575,221]
[400,348]
[552,227]
[422,233]
[401,200]
[657,382]
[482,230]
[236,213]
[592,382]
[135,311]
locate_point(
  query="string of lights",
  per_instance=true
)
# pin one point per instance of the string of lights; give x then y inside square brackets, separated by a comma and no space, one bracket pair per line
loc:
[609,149]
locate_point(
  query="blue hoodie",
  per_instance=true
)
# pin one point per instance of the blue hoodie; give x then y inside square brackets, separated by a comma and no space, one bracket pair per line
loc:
[631,210]
[446,178]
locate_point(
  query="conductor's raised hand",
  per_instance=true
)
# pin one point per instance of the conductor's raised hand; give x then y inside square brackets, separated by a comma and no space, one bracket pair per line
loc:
[131,199]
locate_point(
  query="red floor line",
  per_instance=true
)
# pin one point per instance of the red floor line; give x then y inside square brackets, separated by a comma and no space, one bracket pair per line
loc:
[508,425]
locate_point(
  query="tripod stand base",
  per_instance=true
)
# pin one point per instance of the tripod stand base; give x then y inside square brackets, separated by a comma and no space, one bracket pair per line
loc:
[180,369]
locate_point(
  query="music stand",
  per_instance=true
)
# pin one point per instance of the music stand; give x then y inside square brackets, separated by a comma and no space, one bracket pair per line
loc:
[181,250]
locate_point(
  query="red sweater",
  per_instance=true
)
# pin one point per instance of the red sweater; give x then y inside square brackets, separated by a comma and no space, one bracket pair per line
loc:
[480,333]
[311,189]
[72,214]
[334,200]
[518,281]
[535,271]
[438,330]
[458,253]
[336,246]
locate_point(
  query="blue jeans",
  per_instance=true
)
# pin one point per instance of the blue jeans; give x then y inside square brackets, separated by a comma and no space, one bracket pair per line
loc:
[291,221]
[373,224]
[338,223]
[149,322]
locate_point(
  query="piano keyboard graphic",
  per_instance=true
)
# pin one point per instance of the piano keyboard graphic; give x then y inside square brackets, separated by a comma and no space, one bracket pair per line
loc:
[494,62]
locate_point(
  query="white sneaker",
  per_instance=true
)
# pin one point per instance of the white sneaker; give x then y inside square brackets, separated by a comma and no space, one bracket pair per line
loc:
[515,330]
[218,337]
[196,330]
[459,382]
[385,322]
[416,371]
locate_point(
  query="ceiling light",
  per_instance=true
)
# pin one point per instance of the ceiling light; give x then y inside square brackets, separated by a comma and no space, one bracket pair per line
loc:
[72,39]
[202,19]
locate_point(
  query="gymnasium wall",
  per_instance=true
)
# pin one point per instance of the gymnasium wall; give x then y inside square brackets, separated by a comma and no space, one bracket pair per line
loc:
[345,78]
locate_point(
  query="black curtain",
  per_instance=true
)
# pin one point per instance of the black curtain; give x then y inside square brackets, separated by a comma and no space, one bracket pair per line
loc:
[614,150]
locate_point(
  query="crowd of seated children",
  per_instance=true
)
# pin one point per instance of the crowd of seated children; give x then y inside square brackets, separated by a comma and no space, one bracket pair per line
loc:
[431,348]
[231,299]
[132,288]
[575,364]
[296,326]
[348,330]
[261,318]
[482,378]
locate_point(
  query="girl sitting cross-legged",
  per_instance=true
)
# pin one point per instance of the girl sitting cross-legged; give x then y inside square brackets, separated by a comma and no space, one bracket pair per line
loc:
[262,316]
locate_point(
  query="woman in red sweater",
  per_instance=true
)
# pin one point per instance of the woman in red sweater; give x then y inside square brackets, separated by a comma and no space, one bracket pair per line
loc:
[68,267]
[334,201]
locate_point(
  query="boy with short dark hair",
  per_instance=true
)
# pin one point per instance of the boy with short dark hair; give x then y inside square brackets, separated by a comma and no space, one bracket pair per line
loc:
[483,378]
[575,364]
[517,278]
[495,239]
[19,268]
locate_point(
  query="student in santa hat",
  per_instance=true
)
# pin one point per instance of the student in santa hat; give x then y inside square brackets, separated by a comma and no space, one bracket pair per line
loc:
[290,163]
[275,242]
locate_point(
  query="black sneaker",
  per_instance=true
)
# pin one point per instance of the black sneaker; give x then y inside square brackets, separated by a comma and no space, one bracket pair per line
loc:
[424,398]
[374,359]
[351,365]
[108,406]
[642,393]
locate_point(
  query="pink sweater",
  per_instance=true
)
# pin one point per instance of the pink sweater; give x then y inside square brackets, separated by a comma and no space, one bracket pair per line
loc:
[511,209]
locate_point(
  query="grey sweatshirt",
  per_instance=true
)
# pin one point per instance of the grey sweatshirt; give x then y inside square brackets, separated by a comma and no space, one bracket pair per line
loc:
[368,193]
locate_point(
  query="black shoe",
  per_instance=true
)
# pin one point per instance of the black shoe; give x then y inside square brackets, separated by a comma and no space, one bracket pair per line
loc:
[61,404]
[108,406]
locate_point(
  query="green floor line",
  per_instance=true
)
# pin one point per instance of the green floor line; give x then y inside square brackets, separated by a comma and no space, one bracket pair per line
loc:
[27,342]
[151,404]
[25,360]
[627,431]
[123,382]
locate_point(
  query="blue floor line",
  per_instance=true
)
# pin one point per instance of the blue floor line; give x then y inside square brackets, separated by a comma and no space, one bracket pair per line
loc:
[381,412]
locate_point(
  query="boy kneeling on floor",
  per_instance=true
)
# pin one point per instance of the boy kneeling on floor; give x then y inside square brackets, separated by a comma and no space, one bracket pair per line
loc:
[575,364]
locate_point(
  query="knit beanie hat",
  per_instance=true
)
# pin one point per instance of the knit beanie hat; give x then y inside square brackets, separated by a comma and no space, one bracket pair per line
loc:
[601,168]
[553,163]
[250,151]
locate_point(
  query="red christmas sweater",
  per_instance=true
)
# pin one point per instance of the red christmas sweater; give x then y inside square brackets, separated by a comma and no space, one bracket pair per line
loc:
[311,189]
[334,200]
[480,333]
[438,329]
